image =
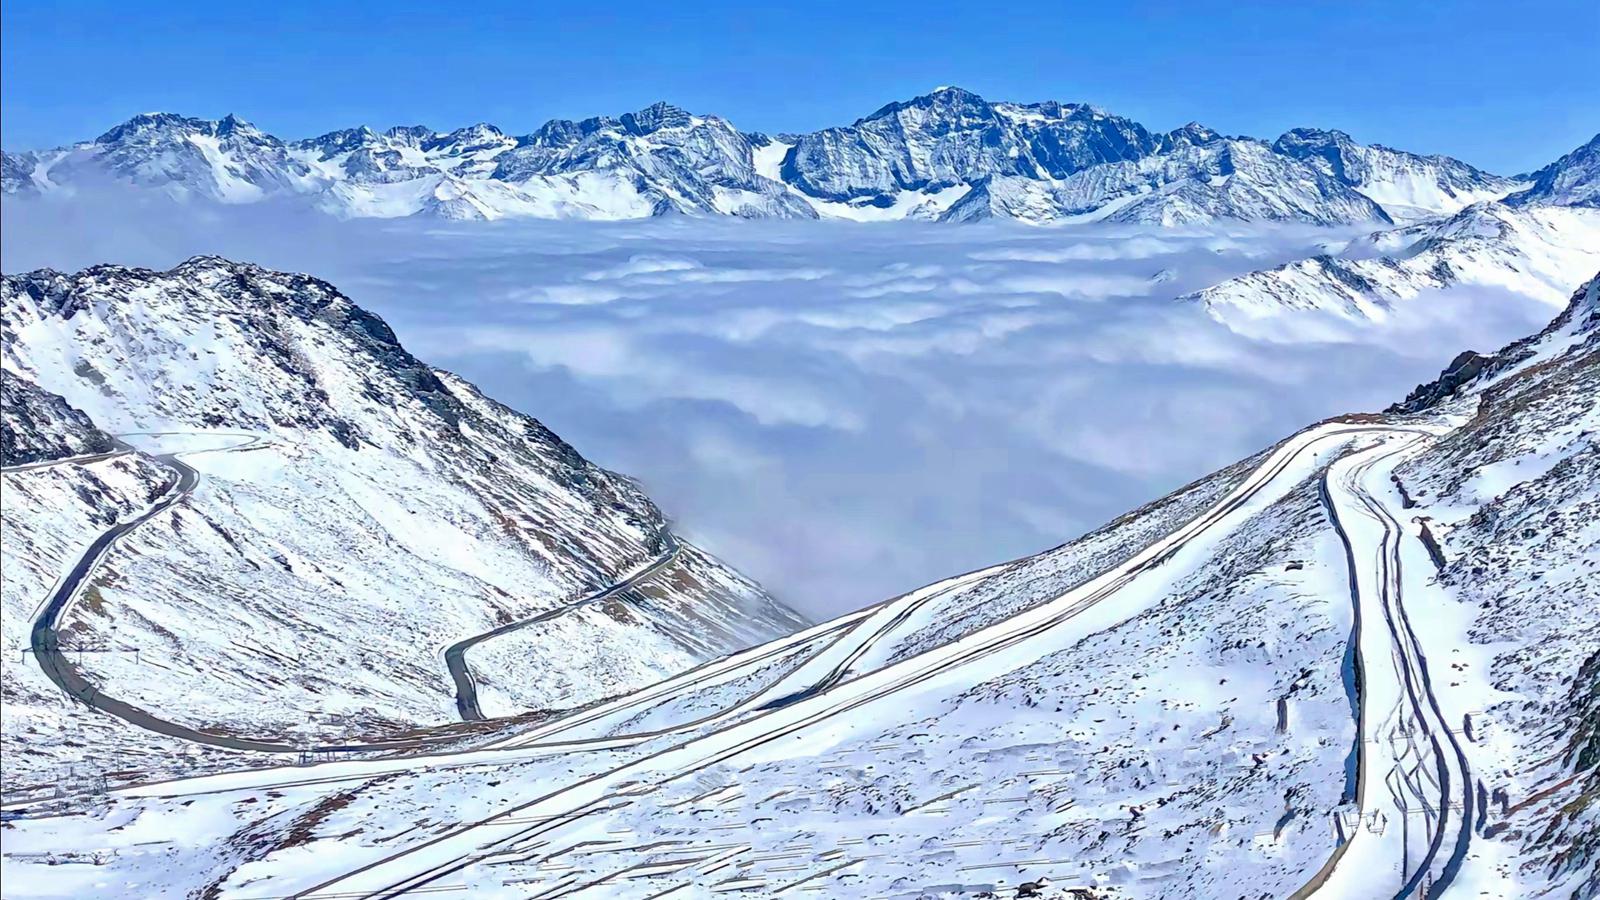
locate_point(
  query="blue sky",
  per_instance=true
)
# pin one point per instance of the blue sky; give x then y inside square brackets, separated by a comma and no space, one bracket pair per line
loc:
[1505,87]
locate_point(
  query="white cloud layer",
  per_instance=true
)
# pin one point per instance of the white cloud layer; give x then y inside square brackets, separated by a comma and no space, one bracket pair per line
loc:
[845,411]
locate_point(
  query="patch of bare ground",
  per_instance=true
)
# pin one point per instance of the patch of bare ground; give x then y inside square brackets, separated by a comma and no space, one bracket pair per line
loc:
[282,831]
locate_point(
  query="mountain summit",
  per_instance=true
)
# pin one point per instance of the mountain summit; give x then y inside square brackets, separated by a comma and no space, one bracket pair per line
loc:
[949,154]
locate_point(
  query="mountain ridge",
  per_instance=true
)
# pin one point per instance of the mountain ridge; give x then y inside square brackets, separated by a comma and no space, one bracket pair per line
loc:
[344,489]
[912,158]
[1249,640]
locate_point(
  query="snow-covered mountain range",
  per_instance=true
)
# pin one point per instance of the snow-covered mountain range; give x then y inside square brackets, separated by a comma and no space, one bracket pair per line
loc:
[354,515]
[1530,250]
[1359,663]
[1532,243]
[1406,185]
[948,155]
[289,612]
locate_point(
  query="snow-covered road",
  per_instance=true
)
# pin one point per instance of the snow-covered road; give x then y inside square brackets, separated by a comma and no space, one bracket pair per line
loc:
[813,697]
[167,448]
[1413,821]
[1406,834]
[455,656]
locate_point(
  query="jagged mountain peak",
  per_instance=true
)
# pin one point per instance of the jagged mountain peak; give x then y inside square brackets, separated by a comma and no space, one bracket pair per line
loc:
[949,103]
[1572,180]
[343,141]
[146,122]
[955,138]
[914,158]
[945,99]
[655,117]
[412,134]
[1314,137]
[1191,135]
[479,136]
[658,116]
[1408,185]
[156,126]
[231,123]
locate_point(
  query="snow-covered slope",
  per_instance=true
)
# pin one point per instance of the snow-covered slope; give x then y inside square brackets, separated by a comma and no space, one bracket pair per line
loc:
[1189,184]
[910,159]
[952,136]
[656,160]
[1512,499]
[1534,243]
[228,160]
[1572,180]
[676,160]
[1407,185]
[16,173]
[1357,664]
[1536,251]
[52,514]
[356,512]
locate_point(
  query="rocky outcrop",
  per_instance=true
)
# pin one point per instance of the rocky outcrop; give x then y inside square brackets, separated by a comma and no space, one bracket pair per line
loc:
[36,425]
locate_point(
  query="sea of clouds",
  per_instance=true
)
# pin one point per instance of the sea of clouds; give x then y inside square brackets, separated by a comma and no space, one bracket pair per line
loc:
[845,411]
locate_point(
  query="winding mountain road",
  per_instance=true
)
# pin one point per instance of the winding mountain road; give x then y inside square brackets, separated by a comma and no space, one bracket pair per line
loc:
[455,658]
[1413,777]
[62,461]
[1414,790]
[45,638]
[47,648]
[421,866]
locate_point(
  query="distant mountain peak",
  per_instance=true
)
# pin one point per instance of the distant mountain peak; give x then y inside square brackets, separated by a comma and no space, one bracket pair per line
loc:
[146,123]
[1190,135]
[947,154]
[944,99]
[1572,180]
[655,117]
[231,123]
[1409,186]
[1316,135]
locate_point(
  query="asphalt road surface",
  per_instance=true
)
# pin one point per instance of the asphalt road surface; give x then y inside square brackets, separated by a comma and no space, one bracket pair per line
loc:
[455,655]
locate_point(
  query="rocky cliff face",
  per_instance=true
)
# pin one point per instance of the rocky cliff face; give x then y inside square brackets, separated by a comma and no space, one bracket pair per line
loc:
[36,425]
